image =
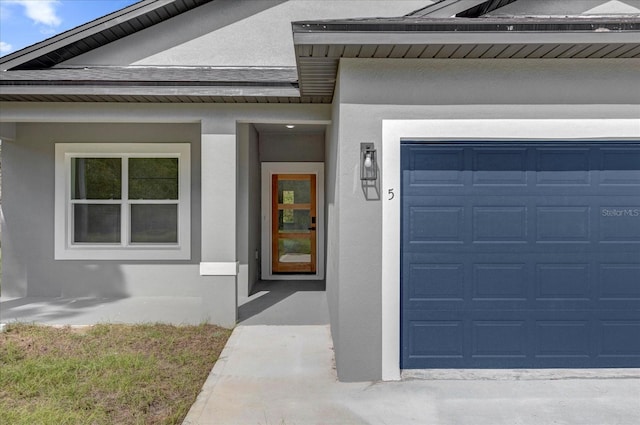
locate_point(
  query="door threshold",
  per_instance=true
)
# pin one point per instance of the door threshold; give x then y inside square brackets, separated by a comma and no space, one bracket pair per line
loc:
[292,277]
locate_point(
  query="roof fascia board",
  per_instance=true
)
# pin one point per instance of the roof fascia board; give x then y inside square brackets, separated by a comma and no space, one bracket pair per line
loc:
[78,33]
[467,37]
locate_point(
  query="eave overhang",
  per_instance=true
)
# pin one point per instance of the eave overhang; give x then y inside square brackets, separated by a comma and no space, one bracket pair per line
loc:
[319,45]
[155,84]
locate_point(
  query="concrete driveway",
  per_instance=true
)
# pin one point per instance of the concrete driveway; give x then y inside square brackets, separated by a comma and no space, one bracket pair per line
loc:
[285,375]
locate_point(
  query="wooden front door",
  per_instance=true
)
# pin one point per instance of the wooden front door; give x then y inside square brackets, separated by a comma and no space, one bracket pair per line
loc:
[293,223]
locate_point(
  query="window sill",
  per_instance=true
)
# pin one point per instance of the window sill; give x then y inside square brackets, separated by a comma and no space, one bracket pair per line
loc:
[118,253]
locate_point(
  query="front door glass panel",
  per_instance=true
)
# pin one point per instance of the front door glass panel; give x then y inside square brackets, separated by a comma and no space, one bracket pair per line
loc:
[294,223]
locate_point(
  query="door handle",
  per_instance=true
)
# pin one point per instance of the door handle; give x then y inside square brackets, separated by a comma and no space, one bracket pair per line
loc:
[311,228]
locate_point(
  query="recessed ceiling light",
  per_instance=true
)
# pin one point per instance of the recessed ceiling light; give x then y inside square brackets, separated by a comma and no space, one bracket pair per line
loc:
[290,126]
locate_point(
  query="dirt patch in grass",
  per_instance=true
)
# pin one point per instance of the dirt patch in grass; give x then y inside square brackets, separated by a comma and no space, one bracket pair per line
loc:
[104,374]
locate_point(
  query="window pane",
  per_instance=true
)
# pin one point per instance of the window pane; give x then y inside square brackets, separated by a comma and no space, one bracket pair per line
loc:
[294,191]
[294,250]
[96,223]
[154,223]
[153,178]
[96,178]
[296,221]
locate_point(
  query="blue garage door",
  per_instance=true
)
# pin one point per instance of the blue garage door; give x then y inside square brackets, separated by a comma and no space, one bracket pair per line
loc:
[520,255]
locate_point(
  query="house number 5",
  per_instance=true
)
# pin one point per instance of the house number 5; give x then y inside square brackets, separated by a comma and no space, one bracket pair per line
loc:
[391,194]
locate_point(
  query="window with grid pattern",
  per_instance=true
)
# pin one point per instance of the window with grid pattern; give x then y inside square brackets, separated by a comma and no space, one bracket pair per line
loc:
[122,201]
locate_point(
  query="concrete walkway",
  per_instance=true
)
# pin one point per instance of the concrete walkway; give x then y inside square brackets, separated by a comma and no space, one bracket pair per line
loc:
[285,375]
[293,302]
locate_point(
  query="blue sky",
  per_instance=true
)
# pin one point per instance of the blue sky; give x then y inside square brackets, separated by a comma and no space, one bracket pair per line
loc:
[26,22]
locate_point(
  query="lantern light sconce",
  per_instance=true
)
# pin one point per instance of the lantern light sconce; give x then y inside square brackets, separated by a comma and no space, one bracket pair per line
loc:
[368,162]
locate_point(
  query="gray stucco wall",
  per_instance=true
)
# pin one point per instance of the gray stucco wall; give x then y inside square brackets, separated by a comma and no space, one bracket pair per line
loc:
[242,208]
[253,149]
[291,147]
[254,208]
[7,131]
[332,267]
[29,268]
[234,33]
[28,265]
[248,208]
[215,118]
[373,90]
[491,82]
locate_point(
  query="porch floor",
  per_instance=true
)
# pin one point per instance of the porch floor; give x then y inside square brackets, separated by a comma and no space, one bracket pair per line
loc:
[271,303]
[285,302]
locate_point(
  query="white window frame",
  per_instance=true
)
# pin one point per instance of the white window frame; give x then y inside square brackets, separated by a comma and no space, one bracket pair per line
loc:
[66,249]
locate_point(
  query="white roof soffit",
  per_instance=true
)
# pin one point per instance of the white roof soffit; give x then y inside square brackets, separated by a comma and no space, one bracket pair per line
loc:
[463,31]
[320,45]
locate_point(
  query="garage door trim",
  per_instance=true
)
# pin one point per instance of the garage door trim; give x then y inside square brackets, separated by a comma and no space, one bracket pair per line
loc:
[394,131]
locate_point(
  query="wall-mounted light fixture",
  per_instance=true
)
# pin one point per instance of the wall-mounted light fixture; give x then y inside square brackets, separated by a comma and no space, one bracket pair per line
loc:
[368,162]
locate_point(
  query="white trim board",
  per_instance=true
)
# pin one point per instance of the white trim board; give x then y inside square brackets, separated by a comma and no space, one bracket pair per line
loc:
[394,131]
[268,169]
[219,268]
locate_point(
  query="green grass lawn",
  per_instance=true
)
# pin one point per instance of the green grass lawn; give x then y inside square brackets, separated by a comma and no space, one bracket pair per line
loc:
[105,374]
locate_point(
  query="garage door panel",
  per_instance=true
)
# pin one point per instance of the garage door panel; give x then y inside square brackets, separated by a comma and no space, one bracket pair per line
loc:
[500,282]
[619,222]
[509,219]
[483,339]
[563,338]
[563,167]
[548,194]
[426,243]
[437,167]
[498,223]
[437,281]
[499,166]
[520,256]
[436,224]
[501,338]
[442,339]
[563,281]
[542,256]
[542,281]
[620,166]
[619,282]
[503,305]
[616,338]
[563,224]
